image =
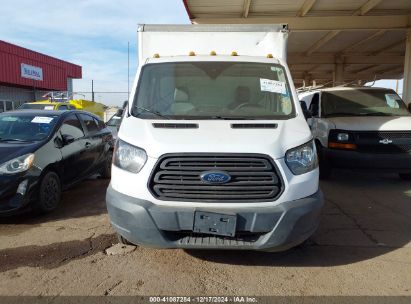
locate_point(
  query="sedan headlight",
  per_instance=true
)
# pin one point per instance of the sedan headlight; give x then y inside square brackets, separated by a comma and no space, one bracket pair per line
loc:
[17,165]
[302,159]
[128,157]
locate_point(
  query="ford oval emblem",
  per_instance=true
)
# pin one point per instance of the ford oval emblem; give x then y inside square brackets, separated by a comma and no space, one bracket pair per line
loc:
[215,177]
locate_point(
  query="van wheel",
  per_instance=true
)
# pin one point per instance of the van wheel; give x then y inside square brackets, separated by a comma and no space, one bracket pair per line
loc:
[106,171]
[405,176]
[49,193]
[122,240]
[325,167]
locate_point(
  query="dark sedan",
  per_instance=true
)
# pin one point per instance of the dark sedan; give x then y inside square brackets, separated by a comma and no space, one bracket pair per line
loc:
[45,152]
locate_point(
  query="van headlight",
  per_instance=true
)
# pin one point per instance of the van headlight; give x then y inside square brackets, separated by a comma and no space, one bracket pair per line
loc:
[128,157]
[18,164]
[302,159]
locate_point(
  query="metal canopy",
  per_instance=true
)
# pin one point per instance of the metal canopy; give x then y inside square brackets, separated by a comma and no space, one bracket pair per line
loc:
[332,41]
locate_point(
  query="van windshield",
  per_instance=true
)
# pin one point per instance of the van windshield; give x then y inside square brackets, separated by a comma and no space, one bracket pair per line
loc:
[366,102]
[213,90]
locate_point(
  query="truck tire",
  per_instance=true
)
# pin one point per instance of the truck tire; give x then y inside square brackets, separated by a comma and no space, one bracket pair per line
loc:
[49,193]
[405,176]
[324,165]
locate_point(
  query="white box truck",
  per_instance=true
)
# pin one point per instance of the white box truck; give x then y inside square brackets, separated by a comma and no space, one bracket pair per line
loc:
[214,151]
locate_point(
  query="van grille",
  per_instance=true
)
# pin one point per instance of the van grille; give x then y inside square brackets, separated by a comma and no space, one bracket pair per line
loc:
[370,141]
[254,126]
[254,178]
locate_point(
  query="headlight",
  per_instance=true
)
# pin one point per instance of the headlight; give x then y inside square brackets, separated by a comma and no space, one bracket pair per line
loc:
[128,157]
[302,159]
[343,136]
[341,139]
[17,165]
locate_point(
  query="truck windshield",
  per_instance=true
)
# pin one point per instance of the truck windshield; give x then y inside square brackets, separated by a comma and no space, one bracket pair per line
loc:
[366,102]
[213,90]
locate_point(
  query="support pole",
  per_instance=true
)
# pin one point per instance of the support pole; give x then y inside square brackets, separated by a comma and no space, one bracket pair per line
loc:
[406,96]
[339,74]
[92,90]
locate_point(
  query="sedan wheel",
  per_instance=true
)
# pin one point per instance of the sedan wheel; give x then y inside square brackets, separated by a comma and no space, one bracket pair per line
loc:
[50,193]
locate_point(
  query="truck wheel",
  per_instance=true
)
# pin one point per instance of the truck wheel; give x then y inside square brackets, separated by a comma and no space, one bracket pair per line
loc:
[106,171]
[49,193]
[123,240]
[405,176]
[325,167]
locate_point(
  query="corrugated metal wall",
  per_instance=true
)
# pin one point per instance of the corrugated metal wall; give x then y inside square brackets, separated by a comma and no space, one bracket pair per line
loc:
[55,71]
[20,94]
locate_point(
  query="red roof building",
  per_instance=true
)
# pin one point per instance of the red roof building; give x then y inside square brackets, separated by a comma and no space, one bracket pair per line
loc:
[26,75]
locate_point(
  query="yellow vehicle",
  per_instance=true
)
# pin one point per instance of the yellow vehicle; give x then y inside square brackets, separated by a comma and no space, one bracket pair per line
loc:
[89,106]
[47,105]
[76,104]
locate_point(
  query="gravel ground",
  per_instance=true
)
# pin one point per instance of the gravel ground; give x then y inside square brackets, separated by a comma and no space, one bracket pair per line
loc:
[361,248]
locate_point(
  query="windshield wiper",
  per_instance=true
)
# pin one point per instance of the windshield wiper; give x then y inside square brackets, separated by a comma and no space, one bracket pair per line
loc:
[230,117]
[360,114]
[342,114]
[14,139]
[152,112]
[376,114]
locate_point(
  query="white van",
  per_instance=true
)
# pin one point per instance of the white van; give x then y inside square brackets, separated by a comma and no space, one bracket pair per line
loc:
[360,127]
[214,151]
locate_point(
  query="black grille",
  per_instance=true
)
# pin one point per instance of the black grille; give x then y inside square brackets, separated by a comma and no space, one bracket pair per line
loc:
[175,125]
[254,178]
[383,141]
[254,126]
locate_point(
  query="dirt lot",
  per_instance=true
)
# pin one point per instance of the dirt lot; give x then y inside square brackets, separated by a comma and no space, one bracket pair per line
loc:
[361,248]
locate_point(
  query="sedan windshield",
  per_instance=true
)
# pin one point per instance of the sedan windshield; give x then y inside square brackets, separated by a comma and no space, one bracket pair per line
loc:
[366,102]
[25,127]
[213,90]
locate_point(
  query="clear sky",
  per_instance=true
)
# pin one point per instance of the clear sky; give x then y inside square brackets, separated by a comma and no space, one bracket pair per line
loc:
[91,33]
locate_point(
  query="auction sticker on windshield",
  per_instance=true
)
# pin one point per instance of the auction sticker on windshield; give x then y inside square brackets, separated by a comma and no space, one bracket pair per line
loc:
[40,119]
[273,86]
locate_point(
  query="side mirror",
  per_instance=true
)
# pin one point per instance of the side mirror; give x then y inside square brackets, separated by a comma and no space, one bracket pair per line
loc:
[119,112]
[306,112]
[67,139]
[58,142]
[125,104]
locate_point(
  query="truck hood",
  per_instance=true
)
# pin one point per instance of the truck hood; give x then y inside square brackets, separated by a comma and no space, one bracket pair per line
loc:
[370,123]
[215,136]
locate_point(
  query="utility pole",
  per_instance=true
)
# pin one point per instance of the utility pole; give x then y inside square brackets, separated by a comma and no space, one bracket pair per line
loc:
[92,90]
[128,70]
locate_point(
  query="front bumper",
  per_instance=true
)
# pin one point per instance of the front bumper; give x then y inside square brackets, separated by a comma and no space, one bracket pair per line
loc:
[274,228]
[12,202]
[400,162]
